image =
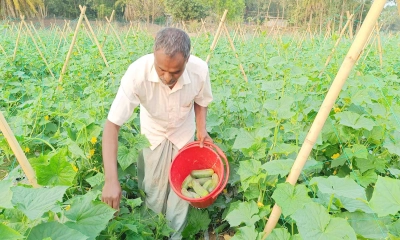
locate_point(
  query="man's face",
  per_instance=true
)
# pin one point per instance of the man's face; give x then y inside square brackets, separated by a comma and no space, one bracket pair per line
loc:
[169,69]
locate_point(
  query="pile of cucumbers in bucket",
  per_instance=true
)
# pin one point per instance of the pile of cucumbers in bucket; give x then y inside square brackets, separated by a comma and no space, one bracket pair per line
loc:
[199,183]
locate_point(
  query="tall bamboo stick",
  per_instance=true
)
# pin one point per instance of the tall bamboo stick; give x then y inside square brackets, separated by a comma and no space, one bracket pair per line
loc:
[71,47]
[327,104]
[16,43]
[95,39]
[336,44]
[234,51]
[37,47]
[107,28]
[115,33]
[19,154]
[216,37]
[379,44]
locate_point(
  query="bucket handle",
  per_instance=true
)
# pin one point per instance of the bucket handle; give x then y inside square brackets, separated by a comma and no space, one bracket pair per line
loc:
[219,152]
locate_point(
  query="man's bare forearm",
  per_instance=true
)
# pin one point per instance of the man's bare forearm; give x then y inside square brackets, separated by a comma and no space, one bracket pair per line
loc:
[201,115]
[110,149]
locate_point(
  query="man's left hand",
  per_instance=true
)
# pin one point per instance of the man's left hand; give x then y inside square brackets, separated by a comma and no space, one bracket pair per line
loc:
[202,136]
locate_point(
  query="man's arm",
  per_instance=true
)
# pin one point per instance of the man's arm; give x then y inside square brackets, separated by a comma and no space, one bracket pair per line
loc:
[112,189]
[201,115]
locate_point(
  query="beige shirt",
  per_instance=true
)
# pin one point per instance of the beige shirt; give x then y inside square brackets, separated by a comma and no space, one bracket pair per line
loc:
[164,113]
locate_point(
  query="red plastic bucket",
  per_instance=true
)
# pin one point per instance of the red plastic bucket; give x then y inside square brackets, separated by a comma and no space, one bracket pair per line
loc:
[192,157]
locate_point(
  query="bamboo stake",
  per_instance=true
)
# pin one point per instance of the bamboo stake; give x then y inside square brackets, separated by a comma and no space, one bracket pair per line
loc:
[327,104]
[115,33]
[129,29]
[336,44]
[4,51]
[234,51]
[16,43]
[351,25]
[216,37]
[95,39]
[72,44]
[379,43]
[37,47]
[398,6]
[38,36]
[107,28]
[19,154]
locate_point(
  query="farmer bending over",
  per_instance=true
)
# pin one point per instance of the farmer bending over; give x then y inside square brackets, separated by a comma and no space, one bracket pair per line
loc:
[173,90]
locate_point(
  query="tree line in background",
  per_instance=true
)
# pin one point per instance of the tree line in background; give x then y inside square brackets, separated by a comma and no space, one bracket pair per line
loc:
[299,13]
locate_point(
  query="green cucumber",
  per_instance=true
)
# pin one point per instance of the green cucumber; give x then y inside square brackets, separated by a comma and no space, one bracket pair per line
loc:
[194,195]
[186,193]
[202,173]
[187,182]
[214,182]
[207,184]
[199,189]
[203,180]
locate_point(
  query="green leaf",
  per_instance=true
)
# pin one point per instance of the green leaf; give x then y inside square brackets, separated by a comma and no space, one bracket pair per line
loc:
[198,220]
[54,231]
[314,222]
[357,151]
[244,213]
[350,195]
[392,146]
[33,202]
[246,233]
[58,172]
[283,148]
[354,120]
[244,139]
[367,225]
[74,148]
[364,179]
[8,233]
[134,202]
[290,198]
[278,167]
[6,194]
[141,141]
[386,196]
[249,172]
[394,228]
[279,234]
[126,157]
[395,172]
[95,180]
[88,217]
[248,169]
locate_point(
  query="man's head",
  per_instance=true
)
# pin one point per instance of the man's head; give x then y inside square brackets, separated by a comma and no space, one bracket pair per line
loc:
[171,53]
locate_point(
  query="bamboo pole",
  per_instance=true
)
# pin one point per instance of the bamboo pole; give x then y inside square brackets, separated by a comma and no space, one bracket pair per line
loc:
[216,37]
[71,47]
[129,29]
[234,51]
[379,44]
[351,25]
[95,39]
[336,44]
[4,51]
[107,28]
[398,6]
[115,33]
[37,47]
[37,34]
[19,154]
[17,41]
[327,104]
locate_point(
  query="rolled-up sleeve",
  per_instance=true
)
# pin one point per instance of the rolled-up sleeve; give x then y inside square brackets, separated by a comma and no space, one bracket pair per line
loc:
[126,99]
[205,94]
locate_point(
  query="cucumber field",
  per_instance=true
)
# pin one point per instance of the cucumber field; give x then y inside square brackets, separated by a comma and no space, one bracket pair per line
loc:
[56,105]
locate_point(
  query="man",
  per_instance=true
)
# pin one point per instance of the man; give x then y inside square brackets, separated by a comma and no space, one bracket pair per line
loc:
[173,90]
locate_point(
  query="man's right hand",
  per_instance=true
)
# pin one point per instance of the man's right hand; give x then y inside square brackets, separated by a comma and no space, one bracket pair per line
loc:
[112,194]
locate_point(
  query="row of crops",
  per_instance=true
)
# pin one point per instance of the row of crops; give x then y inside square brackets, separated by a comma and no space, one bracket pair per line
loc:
[349,188]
